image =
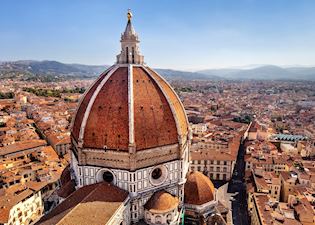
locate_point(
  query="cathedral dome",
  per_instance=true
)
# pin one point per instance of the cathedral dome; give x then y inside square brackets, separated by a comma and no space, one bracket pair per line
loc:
[129,132]
[129,105]
[129,108]
[198,189]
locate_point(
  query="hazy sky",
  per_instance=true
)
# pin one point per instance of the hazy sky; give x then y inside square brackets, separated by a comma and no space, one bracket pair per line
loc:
[180,34]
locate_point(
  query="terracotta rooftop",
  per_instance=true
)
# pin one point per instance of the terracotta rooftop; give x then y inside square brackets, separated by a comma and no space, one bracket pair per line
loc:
[286,175]
[66,189]
[305,212]
[9,198]
[264,211]
[21,146]
[212,155]
[53,139]
[92,204]
[36,185]
[67,185]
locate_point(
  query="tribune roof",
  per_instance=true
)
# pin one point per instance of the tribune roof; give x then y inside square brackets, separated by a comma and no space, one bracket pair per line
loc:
[93,204]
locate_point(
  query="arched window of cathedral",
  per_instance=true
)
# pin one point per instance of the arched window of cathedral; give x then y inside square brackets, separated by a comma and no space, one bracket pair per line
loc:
[108,176]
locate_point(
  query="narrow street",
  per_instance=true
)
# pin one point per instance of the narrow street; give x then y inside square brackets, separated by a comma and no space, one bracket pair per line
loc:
[237,185]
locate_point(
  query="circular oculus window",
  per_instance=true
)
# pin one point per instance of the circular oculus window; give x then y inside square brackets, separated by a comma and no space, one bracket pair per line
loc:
[158,175]
[108,177]
[105,175]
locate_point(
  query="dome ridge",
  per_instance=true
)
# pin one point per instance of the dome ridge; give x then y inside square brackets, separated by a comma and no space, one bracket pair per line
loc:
[88,109]
[179,130]
[75,131]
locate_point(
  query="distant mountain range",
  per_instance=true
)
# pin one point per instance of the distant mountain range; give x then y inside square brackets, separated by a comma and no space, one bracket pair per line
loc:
[30,69]
[185,75]
[52,68]
[61,70]
[265,72]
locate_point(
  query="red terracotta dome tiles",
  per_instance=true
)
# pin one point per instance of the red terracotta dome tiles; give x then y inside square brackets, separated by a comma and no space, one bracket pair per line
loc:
[156,119]
[174,100]
[107,124]
[154,122]
[82,107]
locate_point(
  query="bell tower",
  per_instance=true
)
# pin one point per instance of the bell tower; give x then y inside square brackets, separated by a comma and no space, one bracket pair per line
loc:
[130,52]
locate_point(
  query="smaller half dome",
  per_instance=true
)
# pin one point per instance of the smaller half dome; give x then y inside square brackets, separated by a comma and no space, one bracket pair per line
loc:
[198,189]
[161,202]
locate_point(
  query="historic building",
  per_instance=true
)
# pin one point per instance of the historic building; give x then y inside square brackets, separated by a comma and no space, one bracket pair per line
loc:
[21,204]
[130,151]
[131,130]
[216,167]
